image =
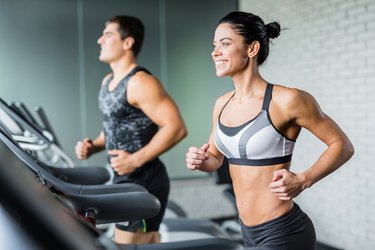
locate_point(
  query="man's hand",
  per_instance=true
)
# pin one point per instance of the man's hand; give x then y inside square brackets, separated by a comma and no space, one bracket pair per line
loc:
[84,149]
[122,162]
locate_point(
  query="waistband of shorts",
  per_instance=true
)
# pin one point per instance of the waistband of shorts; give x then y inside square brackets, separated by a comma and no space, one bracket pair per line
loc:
[291,212]
[155,163]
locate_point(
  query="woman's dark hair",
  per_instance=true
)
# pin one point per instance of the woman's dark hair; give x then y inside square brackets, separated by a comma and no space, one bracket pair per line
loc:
[252,28]
[130,26]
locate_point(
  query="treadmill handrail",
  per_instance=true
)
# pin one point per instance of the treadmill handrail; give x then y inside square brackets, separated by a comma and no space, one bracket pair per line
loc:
[108,201]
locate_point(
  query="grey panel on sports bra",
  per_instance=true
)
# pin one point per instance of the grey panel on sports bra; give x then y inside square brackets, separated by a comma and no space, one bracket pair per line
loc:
[260,122]
[222,147]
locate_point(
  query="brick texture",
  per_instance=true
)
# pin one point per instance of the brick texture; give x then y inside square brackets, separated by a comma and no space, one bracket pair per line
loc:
[328,50]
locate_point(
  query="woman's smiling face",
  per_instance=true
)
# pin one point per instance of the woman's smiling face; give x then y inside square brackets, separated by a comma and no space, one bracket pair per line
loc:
[230,51]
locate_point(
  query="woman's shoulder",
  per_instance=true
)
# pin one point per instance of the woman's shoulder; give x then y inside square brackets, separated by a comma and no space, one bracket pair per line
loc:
[290,97]
[287,94]
[224,98]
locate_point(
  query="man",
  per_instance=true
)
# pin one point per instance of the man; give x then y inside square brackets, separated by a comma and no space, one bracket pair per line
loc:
[140,122]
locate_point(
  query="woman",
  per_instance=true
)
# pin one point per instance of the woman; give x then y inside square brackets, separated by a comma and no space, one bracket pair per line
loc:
[255,127]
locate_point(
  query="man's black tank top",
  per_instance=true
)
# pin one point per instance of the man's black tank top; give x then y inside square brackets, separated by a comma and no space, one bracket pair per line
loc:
[125,126]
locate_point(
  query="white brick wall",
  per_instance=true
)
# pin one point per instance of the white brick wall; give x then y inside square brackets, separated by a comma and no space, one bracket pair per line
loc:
[329,51]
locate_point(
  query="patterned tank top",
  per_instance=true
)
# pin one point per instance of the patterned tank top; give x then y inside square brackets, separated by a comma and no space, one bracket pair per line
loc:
[125,126]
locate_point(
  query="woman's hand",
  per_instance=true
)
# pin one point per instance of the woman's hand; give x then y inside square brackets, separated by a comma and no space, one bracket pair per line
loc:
[196,157]
[286,185]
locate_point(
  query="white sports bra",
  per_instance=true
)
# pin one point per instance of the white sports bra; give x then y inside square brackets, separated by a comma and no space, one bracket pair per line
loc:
[255,143]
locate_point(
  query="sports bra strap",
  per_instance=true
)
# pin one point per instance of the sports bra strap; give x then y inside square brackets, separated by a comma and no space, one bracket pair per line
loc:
[267,97]
[226,104]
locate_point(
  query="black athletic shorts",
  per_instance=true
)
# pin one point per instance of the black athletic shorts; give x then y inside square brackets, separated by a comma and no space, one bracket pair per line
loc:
[292,230]
[154,177]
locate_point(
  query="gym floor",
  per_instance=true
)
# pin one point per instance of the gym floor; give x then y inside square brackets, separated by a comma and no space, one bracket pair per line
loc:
[321,246]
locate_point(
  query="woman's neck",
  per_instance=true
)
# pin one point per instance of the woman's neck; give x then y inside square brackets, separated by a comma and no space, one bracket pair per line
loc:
[248,83]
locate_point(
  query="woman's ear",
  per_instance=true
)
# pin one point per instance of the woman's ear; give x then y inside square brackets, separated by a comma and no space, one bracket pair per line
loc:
[253,49]
[128,43]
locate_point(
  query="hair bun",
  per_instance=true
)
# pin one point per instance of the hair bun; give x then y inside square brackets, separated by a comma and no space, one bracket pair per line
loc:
[273,29]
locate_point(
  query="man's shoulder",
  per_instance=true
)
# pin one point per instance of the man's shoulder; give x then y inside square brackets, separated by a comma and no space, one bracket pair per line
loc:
[106,78]
[142,79]
[144,87]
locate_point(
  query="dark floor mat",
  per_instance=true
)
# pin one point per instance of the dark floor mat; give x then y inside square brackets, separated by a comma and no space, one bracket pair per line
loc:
[321,246]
